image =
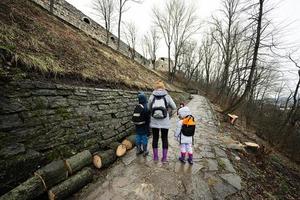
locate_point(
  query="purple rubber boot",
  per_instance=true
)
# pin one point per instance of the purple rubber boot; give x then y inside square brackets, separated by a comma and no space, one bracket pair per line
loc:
[182,157]
[190,159]
[164,155]
[155,154]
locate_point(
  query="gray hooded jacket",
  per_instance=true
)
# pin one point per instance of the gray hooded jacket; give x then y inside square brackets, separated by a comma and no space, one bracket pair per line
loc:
[161,123]
[182,112]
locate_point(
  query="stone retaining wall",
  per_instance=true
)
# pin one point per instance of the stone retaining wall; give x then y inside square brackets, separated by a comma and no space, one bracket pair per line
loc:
[41,121]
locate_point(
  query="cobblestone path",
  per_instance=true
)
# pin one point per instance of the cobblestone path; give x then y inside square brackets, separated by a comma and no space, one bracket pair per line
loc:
[211,177]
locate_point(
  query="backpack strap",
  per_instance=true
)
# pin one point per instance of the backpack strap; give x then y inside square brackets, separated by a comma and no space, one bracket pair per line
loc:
[165,100]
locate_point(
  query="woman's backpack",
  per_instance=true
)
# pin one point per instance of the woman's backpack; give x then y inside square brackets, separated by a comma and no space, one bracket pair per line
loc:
[159,107]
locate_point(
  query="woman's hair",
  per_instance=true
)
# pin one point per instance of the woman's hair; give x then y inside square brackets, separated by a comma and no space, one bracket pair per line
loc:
[159,85]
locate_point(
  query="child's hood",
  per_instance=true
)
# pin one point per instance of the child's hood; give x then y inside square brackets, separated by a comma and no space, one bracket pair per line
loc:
[184,111]
[142,98]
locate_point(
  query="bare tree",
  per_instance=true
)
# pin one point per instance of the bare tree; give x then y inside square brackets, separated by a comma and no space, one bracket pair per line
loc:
[164,21]
[105,9]
[208,54]
[225,34]
[190,59]
[177,23]
[258,32]
[131,37]
[291,117]
[151,40]
[121,10]
[185,25]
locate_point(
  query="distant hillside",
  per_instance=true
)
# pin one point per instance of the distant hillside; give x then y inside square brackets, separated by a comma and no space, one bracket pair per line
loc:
[48,45]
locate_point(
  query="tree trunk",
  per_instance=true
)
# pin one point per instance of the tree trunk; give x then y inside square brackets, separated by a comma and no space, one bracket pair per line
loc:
[29,189]
[71,185]
[254,61]
[169,61]
[107,37]
[78,161]
[120,149]
[129,142]
[104,158]
[119,25]
[293,109]
[52,173]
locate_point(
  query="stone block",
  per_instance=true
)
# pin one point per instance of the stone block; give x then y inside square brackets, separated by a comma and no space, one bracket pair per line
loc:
[38,103]
[44,85]
[103,106]
[12,150]
[109,133]
[82,93]
[44,92]
[10,121]
[232,179]
[11,105]
[226,164]
[56,102]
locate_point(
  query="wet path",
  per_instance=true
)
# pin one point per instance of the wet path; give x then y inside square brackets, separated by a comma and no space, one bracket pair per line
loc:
[211,177]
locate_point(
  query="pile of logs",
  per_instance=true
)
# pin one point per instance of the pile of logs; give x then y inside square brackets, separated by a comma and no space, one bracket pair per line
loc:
[105,158]
[59,178]
[62,178]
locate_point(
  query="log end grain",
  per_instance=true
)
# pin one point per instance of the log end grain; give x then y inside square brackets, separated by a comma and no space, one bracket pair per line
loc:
[97,161]
[121,150]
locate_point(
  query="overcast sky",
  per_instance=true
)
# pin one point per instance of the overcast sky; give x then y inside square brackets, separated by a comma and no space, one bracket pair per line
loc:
[286,16]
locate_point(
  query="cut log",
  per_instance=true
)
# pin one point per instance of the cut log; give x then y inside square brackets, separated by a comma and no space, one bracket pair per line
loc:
[129,142]
[52,173]
[71,185]
[29,189]
[78,161]
[119,148]
[103,159]
[232,118]
[251,145]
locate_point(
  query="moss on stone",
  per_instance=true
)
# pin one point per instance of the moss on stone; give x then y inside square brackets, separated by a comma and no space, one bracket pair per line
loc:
[63,112]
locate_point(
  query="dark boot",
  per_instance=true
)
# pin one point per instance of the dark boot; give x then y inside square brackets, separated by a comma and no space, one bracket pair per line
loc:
[155,154]
[182,157]
[164,155]
[138,149]
[190,159]
[146,152]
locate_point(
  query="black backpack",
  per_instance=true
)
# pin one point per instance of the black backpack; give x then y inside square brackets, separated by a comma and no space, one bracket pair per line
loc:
[188,127]
[159,107]
[138,116]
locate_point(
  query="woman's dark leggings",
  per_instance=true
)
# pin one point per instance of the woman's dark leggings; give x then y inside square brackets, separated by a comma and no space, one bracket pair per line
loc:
[164,137]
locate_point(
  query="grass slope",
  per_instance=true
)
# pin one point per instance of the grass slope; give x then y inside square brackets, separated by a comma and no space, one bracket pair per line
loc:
[48,45]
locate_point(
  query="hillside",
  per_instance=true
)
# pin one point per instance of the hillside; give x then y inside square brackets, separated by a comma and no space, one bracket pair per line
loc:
[47,45]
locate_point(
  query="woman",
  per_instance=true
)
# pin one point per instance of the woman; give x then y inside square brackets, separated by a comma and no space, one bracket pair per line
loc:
[159,103]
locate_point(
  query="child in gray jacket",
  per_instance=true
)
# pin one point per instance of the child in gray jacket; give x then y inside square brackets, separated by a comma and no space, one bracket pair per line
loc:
[184,133]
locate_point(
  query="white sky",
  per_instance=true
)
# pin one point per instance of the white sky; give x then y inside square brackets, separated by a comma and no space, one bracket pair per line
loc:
[286,16]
